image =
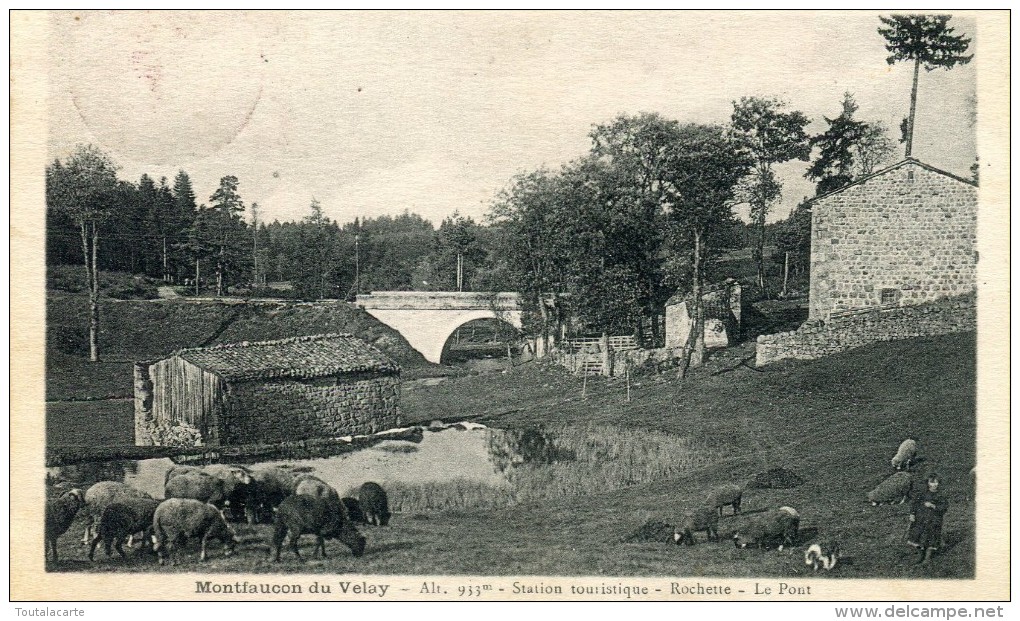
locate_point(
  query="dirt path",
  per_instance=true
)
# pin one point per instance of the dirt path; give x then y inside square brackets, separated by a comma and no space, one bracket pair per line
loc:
[165,292]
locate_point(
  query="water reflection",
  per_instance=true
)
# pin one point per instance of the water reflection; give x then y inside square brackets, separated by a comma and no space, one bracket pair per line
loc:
[466,466]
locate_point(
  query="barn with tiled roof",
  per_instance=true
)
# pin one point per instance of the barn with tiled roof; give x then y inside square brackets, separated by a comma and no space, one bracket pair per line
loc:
[299,388]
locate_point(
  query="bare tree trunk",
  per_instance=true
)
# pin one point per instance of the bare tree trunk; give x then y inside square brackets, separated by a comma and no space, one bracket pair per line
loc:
[913,106]
[694,349]
[219,273]
[92,280]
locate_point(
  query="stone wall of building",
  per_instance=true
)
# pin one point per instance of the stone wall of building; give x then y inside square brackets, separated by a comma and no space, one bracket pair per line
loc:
[909,233]
[288,410]
[817,339]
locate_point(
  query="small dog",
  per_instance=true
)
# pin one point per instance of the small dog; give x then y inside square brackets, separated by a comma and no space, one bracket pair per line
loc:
[822,556]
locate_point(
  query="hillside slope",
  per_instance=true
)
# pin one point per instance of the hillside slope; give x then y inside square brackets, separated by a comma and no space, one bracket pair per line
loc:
[145,330]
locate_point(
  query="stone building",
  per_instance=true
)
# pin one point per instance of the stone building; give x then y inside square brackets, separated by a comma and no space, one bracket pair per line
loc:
[904,235]
[320,386]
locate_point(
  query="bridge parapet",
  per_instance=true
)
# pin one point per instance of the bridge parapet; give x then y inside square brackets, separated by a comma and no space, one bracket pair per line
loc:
[439,300]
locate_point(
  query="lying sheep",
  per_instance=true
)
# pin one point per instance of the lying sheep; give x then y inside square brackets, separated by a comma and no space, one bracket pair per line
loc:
[905,456]
[726,495]
[99,497]
[60,513]
[896,488]
[270,485]
[197,485]
[782,525]
[120,521]
[374,504]
[703,518]
[178,519]
[302,514]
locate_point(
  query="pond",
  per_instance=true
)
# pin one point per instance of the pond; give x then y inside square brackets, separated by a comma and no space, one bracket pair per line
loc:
[465,465]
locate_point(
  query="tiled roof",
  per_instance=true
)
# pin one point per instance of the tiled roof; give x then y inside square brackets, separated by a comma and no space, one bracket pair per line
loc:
[302,357]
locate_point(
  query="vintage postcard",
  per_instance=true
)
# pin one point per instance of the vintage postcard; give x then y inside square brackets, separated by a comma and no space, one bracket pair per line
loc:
[678,306]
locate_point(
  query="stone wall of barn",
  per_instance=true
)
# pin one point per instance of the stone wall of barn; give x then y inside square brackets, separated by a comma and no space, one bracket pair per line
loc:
[817,339]
[287,409]
[903,237]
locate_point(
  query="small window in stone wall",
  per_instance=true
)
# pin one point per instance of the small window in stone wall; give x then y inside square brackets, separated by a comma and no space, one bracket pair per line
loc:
[890,296]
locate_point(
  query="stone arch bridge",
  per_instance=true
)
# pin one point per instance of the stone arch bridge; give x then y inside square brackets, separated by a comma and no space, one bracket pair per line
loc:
[427,319]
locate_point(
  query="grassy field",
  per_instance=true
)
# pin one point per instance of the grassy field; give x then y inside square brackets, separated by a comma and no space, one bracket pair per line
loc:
[835,422]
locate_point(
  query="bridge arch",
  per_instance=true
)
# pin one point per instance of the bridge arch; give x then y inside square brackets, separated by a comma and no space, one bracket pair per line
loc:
[427,319]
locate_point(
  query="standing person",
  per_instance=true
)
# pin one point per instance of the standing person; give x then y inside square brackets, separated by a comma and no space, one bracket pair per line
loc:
[926,514]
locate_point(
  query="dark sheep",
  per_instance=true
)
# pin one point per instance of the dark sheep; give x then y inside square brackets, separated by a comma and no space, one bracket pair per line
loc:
[270,485]
[60,513]
[353,509]
[178,519]
[781,525]
[703,518]
[99,497]
[729,494]
[120,521]
[302,514]
[198,486]
[374,504]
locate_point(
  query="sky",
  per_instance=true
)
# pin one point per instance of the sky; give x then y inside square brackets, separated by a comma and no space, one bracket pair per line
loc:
[381,113]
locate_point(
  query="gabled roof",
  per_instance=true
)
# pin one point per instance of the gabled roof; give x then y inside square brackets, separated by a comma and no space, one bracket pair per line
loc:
[899,164]
[302,357]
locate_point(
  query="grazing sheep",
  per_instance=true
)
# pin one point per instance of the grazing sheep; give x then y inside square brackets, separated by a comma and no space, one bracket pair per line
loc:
[270,485]
[178,519]
[726,495]
[353,509]
[302,514]
[60,513]
[237,482]
[198,486]
[310,485]
[905,456]
[822,555]
[702,518]
[99,497]
[782,525]
[122,520]
[374,504]
[237,487]
[896,488]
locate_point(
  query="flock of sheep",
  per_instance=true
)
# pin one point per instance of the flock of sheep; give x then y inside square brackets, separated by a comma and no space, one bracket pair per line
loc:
[198,502]
[780,527]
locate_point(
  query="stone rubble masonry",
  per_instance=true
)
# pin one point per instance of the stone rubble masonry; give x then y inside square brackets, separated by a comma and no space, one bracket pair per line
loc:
[817,339]
[910,230]
[287,410]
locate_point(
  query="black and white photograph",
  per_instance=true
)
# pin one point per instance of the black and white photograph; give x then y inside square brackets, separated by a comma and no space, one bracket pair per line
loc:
[510,305]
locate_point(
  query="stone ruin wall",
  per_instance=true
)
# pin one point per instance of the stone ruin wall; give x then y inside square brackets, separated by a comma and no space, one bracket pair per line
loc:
[817,339]
[287,410]
[910,230]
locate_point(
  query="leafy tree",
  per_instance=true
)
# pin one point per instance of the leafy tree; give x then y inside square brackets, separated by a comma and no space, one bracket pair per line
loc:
[849,149]
[83,188]
[772,136]
[705,165]
[926,40]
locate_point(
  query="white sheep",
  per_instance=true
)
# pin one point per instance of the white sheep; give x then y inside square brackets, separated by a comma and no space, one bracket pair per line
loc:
[905,456]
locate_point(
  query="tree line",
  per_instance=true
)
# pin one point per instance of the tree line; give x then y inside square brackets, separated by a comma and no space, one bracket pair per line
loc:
[599,243]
